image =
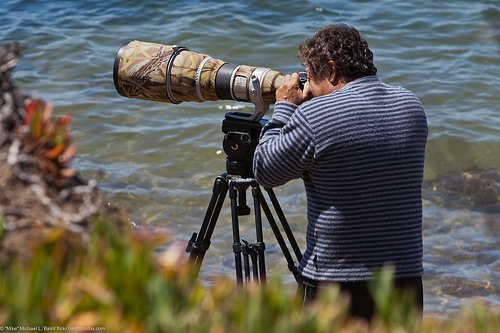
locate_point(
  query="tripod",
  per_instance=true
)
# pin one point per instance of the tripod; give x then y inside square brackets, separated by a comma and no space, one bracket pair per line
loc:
[236,182]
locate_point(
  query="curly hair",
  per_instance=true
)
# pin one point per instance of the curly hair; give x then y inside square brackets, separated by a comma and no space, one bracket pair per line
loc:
[342,44]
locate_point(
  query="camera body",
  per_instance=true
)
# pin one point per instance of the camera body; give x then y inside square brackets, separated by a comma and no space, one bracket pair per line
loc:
[302,79]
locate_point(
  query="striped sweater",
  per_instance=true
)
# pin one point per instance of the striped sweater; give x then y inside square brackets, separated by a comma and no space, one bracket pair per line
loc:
[360,152]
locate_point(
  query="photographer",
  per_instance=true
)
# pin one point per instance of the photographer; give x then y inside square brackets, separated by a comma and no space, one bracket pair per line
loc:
[358,144]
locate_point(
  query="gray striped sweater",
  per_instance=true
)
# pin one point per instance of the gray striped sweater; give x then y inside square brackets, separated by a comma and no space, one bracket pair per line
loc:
[360,152]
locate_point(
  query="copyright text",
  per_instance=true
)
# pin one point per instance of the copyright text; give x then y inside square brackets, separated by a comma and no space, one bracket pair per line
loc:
[51,329]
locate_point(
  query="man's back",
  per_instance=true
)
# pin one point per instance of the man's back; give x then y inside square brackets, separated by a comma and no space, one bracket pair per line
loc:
[360,151]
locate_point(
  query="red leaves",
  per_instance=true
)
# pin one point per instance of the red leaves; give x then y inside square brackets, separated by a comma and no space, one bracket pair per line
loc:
[51,140]
[30,110]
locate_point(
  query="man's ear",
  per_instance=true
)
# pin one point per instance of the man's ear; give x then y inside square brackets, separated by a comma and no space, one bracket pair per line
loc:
[332,71]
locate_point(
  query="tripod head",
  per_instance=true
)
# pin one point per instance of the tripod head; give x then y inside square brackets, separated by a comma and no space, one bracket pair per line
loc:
[240,140]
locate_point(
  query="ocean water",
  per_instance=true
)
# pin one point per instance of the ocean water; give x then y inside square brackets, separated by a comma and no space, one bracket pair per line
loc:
[160,160]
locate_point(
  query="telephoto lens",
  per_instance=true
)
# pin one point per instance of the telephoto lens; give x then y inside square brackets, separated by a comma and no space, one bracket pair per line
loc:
[174,74]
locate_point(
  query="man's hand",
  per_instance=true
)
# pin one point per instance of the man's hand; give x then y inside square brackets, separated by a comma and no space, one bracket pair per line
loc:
[290,90]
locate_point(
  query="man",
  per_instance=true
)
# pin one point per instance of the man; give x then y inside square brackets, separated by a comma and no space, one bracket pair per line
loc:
[359,145]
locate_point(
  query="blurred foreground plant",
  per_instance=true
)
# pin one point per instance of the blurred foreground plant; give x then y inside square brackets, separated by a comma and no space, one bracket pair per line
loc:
[117,282]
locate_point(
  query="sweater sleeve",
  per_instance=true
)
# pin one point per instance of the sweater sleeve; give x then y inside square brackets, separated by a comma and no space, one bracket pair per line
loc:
[286,147]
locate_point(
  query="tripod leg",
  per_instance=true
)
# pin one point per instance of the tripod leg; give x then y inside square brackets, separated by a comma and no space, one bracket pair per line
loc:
[279,237]
[247,253]
[284,223]
[247,267]
[199,243]
[260,245]
[233,194]
[255,266]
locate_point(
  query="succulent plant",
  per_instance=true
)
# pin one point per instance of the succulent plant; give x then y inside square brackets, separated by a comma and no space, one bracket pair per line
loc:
[47,138]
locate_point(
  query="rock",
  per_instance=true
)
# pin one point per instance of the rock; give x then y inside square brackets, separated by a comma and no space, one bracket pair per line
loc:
[474,189]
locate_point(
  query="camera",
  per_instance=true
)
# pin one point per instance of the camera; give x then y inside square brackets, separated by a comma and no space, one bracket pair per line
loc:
[174,74]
